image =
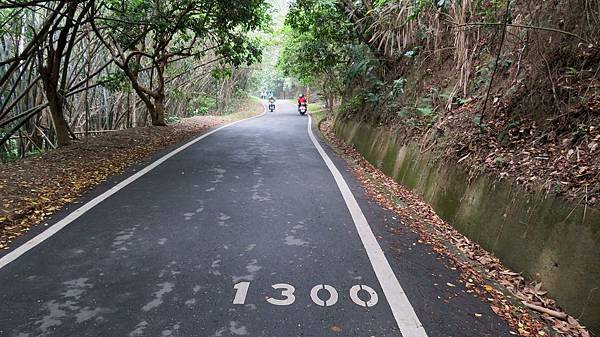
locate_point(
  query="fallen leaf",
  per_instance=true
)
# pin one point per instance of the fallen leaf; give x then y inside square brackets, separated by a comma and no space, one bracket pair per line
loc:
[336,328]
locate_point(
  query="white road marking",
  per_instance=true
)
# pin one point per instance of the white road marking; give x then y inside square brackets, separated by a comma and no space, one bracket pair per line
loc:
[241,292]
[24,248]
[333,295]
[287,292]
[405,315]
[372,296]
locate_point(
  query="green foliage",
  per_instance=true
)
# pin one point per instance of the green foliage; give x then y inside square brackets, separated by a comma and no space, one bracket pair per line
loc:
[203,105]
[172,119]
[397,87]
[179,28]
[198,103]
[491,9]
[7,157]
[357,69]
[9,153]
[364,72]
[425,110]
[115,81]
[9,17]
[483,74]
[572,72]
[222,73]
[363,65]
[354,103]
[499,161]
[372,98]
[317,40]
[420,115]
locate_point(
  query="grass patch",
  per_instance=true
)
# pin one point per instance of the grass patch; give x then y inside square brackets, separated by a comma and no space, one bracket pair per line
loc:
[247,108]
[317,111]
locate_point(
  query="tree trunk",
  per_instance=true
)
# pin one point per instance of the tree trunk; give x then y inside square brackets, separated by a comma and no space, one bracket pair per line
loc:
[158,118]
[55,105]
[36,134]
[58,119]
[57,58]
[154,100]
[134,117]
[150,110]
[331,102]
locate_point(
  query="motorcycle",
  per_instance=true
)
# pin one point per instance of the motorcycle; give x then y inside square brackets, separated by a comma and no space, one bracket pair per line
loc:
[302,109]
[271,107]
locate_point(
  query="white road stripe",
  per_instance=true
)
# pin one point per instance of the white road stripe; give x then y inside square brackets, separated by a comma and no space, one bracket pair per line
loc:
[405,315]
[24,248]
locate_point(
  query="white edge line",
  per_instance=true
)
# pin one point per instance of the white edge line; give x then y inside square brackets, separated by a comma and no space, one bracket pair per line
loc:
[24,248]
[405,315]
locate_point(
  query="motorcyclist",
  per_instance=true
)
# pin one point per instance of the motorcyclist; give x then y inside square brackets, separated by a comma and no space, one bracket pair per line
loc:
[301,100]
[271,103]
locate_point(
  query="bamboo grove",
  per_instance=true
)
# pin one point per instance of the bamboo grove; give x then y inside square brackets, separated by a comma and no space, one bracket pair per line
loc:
[73,68]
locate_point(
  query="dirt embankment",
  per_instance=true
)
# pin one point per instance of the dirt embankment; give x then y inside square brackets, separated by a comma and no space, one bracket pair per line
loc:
[522,302]
[31,189]
[540,126]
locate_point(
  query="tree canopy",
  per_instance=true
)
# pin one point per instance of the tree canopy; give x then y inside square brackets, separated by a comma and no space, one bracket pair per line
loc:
[59,56]
[176,30]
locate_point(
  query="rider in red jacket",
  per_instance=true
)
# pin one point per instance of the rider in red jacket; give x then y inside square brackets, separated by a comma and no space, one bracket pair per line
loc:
[301,100]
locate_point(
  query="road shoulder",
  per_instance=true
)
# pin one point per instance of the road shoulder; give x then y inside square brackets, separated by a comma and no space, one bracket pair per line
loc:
[39,191]
[471,271]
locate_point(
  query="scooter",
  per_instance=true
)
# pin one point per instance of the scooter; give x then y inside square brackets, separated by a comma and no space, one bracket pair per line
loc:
[302,109]
[271,107]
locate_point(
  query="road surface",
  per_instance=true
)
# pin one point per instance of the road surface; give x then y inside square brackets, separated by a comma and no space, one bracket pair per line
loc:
[257,229]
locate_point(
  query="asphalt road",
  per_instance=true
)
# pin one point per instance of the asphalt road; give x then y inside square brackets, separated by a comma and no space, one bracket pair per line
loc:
[245,232]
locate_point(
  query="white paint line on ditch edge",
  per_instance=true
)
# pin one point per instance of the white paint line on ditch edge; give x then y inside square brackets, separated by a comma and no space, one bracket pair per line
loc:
[405,315]
[24,248]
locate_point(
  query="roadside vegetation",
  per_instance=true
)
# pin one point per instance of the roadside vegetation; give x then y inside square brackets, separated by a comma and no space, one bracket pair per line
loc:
[69,69]
[510,88]
[502,87]
[88,88]
[34,188]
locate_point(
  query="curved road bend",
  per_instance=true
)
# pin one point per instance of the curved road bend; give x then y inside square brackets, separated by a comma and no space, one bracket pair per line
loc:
[244,233]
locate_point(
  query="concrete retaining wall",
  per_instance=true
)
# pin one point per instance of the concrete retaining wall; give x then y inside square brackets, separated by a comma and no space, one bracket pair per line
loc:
[545,238]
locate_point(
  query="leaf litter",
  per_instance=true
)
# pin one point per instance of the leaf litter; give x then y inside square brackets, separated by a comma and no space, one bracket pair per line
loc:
[34,188]
[521,302]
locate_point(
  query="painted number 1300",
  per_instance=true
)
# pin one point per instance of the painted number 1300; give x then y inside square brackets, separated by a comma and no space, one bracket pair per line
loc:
[286,295]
